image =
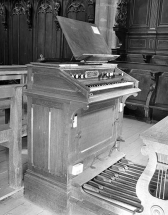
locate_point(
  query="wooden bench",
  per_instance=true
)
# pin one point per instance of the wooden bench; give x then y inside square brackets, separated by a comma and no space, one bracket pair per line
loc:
[147,83]
[160,106]
[10,75]
[11,134]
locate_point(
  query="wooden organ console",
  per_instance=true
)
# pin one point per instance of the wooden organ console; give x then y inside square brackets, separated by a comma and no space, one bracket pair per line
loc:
[75,114]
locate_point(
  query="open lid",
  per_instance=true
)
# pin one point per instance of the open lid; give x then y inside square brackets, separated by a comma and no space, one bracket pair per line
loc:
[85,40]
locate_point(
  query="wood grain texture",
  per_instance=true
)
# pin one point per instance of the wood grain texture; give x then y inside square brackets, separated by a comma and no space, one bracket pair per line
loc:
[11,134]
[56,144]
[131,147]
[15,147]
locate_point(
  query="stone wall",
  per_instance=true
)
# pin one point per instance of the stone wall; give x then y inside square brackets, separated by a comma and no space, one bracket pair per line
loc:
[105,20]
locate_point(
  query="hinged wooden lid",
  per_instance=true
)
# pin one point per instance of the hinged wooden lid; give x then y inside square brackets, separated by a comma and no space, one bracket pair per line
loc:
[85,40]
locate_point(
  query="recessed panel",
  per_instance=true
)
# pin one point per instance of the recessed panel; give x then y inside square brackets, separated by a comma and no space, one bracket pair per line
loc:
[140,12]
[137,43]
[164,13]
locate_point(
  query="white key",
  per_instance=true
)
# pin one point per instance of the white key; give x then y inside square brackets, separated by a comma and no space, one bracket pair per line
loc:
[109,86]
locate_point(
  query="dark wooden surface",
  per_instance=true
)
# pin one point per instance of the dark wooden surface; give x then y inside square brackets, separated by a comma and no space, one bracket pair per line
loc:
[158,105]
[11,134]
[131,147]
[90,42]
[144,39]
[55,145]
[31,30]
[147,27]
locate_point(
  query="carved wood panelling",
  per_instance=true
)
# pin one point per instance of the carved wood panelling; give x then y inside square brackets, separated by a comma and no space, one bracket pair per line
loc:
[2,43]
[45,7]
[18,8]
[76,10]
[153,17]
[48,36]
[163,14]
[20,32]
[76,7]
[3,14]
[23,8]
[121,15]
[57,10]
[83,10]
[139,13]
[137,43]
[91,14]
[152,43]
[29,28]
[162,44]
[147,20]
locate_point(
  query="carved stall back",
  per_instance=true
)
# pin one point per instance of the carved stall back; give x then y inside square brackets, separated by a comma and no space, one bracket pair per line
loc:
[80,10]
[160,108]
[29,28]
[21,34]
[147,83]
[47,31]
[3,27]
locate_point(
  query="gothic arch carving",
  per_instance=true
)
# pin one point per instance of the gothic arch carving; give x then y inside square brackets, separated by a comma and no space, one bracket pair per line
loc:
[76,7]
[48,6]
[83,10]
[3,14]
[45,7]
[47,34]
[21,7]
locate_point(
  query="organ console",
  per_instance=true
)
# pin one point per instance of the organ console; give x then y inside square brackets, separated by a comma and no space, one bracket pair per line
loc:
[75,113]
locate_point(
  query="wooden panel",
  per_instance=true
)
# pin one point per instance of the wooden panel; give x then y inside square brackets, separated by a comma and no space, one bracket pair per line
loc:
[25,41]
[57,150]
[163,13]
[153,14]
[15,36]
[140,13]
[78,10]
[144,78]
[53,82]
[162,44]
[162,95]
[40,34]
[2,43]
[47,34]
[94,132]
[137,43]
[5,133]
[96,128]
[40,136]
[21,35]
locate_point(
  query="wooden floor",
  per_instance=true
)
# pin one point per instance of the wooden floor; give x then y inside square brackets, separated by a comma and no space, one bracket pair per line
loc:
[18,205]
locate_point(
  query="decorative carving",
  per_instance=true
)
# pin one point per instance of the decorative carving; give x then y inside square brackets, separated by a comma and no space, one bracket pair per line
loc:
[90,2]
[29,14]
[76,7]
[120,27]
[91,11]
[45,7]
[19,8]
[121,15]
[57,8]
[3,13]
[23,8]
